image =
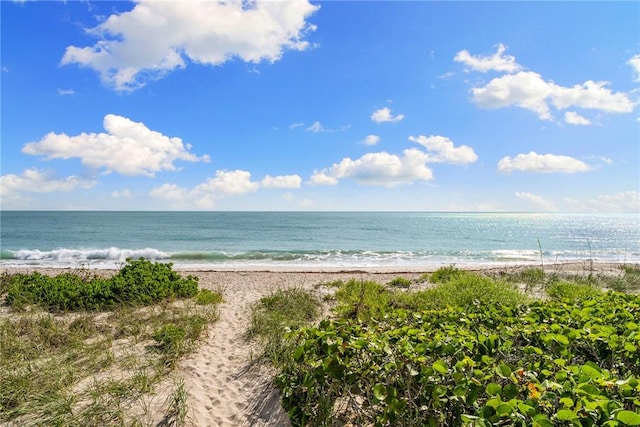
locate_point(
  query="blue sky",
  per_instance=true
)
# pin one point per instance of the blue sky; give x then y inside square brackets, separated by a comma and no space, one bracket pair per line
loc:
[296,105]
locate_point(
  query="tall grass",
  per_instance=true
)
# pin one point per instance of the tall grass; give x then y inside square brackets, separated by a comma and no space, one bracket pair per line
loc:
[278,313]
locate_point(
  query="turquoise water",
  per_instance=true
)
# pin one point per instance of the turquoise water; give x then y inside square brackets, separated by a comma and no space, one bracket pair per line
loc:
[313,239]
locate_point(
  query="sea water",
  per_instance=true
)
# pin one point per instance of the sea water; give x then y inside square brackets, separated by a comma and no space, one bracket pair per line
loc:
[299,240]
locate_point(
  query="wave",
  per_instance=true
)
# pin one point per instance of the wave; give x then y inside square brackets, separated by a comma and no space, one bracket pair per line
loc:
[106,258]
[75,255]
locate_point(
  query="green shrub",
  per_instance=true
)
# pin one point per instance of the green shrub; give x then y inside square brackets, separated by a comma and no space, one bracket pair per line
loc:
[400,282]
[205,297]
[170,338]
[462,289]
[138,282]
[362,299]
[444,274]
[571,291]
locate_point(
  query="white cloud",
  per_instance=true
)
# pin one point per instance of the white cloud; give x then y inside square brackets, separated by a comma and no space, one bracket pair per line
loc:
[634,62]
[541,163]
[384,115]
[128,147]
[323,178]
[528,90]
[316,127]
[64,92]
[573,118]
[371,140]
[38,181]
[627,201]
[525,90]
[296,125]
[380,168]
[442,150]
[223,184]
[592,95]
[496,62]
[156,37]
[124,194]
[536,200]
[283,181]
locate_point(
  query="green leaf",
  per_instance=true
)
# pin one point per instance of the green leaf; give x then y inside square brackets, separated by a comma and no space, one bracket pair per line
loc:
[567,402]
[526,409]
[504,410]
[503,371]
[561,339]
[542,420]
[587,388]
[440,367]
[591,370]
[629,418]
[493,388]
[630,347]
[566,415]
[380,392]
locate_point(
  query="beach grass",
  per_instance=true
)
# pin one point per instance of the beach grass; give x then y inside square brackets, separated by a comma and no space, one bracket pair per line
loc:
[99,361]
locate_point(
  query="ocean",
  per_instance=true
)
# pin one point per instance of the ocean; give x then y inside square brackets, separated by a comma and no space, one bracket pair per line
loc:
[314,240]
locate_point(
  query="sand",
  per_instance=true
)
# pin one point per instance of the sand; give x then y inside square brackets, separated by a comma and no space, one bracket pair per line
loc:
[226,383]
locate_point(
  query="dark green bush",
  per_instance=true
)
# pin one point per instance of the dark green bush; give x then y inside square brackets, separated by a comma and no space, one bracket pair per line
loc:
[139,282]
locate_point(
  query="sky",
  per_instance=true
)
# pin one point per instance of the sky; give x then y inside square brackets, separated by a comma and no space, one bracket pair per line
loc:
[320,106]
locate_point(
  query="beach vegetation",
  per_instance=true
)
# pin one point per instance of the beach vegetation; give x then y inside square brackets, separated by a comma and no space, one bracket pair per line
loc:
[139,282]
[276,315]
[77,363]
[470,350]
[400,282]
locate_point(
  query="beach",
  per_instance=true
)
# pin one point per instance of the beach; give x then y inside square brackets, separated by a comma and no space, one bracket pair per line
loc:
[226,383]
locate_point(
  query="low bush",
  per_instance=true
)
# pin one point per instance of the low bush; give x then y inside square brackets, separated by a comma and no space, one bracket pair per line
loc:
[542,363]
[139,282]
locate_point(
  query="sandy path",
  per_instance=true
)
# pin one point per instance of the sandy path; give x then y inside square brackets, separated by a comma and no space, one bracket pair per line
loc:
[225,386]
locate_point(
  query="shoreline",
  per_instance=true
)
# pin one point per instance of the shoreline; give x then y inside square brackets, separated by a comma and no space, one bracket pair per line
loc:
[570,267]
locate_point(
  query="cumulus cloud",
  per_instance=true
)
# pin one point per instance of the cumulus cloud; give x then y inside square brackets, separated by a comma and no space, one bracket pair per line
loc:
[529,90]
[384,115]
[442,150]
[634,62]
[496,62]
[156,37]
[128,148]
[573,118]
[536,200]
[390,170]
[371,140]
[380,168]
[37,181]
[283,181]
[541,163]
[223,184]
